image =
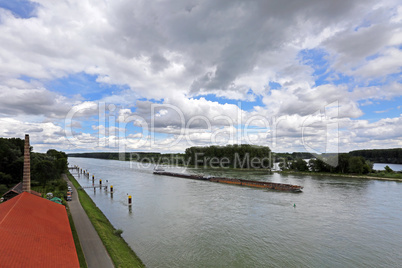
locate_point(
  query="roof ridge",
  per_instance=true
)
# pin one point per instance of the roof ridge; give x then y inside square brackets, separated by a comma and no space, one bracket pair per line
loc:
[9,211]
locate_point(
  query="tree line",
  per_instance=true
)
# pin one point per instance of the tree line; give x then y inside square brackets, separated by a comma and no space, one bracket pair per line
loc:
[391,156]
[125,156]
[44,167]
[343,163]
[251,156]
[237,156]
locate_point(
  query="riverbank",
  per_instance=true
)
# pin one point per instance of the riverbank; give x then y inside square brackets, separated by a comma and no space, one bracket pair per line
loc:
[373,177]
[120,252]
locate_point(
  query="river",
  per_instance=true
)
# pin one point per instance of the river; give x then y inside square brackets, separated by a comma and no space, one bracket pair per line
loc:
[175,222]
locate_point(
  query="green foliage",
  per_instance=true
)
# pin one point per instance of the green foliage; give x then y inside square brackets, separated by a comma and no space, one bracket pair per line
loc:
[11,160]
[284,165]
[44,171]
[60,159]
[136,156]
[45,168]
[388,169]
[3,189]
[58,187]
[392,156]
[384,174]
[343,163]
[280,157]
[238,156]
[299,165]
[48,167]
[355,165]
[358,165]
[118,232]
[318,165]
[5,178]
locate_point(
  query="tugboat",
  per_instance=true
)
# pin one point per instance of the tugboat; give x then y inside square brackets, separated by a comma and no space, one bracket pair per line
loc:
[158,169]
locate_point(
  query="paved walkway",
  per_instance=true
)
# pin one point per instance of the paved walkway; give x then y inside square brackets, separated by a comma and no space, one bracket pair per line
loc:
[92,246]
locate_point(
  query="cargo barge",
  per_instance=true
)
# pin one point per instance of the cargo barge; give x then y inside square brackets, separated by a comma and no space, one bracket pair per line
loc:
[258,184]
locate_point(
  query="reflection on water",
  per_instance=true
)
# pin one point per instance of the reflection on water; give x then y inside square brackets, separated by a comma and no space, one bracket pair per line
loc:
[176,222]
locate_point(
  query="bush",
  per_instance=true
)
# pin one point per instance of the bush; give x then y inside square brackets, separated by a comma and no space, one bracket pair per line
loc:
[118,232]
[388,169]
[3,189]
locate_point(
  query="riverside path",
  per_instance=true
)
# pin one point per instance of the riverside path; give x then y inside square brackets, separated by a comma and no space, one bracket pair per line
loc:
[94,251]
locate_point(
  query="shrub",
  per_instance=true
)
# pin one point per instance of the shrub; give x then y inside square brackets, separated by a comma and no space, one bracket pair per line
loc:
[118,232]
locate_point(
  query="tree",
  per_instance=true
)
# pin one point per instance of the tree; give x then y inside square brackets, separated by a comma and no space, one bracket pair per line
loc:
[44,171]
[343,163]
[247,154]
[317,165]
[6,179]
[60,159]
[356,164]
[299,165]
[388,169]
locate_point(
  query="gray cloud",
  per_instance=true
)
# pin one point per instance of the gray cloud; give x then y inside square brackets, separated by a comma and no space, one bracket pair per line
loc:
[219,40]
[175,51]
[33,101]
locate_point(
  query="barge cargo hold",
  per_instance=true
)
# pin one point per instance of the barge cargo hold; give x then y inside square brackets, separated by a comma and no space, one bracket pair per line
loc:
[258,184]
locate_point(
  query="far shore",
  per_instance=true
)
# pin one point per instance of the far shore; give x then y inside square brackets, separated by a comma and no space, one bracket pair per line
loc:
[276,171]
[340,175]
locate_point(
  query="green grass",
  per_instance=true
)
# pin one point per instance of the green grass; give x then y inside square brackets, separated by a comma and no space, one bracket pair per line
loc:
[120,252]
[81,257]
[392,175]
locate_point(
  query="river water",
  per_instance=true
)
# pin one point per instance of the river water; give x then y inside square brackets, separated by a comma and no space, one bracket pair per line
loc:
[394,167]
[175,222]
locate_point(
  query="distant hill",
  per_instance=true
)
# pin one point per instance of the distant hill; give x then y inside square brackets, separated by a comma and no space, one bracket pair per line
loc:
[391,156]
[115,156]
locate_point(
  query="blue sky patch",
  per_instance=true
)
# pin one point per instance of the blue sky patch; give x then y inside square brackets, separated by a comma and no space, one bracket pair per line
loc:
[339,79]
[379,109]
[318,60]
[244,105]
[315,58]
[83,84]
[274,85]
[20,8]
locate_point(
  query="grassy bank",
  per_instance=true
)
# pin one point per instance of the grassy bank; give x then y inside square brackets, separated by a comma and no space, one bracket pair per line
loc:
[120,252]
[81,257]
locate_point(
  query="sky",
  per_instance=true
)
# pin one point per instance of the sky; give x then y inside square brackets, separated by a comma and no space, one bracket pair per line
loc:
[118,75]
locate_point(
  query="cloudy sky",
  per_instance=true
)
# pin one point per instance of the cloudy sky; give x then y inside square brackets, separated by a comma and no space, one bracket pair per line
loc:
[108,75]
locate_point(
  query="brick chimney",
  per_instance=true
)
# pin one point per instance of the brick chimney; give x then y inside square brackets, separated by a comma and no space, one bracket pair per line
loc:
[26,180]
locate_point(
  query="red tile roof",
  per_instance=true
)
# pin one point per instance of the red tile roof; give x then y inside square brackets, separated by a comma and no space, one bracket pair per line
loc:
[35,232]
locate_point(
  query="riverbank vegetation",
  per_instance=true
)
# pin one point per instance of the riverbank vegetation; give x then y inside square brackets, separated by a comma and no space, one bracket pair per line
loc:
[120,252]
[342,164]
[246,156]
[236,156]
[390,156]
